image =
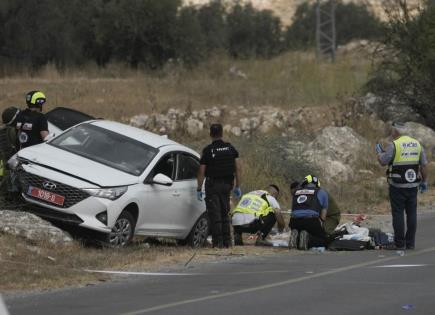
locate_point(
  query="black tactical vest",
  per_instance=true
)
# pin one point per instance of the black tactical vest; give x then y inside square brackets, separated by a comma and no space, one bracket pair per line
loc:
[222,163]
[306,199]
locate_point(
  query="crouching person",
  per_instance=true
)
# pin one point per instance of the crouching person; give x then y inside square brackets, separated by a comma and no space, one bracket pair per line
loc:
[309,210]
[257,212]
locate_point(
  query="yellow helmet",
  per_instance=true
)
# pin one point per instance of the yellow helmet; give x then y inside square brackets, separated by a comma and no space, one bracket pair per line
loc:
[35,99]
[311,179]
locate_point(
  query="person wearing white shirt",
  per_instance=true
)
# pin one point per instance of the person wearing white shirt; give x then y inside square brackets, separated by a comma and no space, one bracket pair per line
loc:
[257,212]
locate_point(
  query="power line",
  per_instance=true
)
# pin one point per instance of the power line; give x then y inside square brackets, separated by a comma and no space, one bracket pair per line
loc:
[326,34]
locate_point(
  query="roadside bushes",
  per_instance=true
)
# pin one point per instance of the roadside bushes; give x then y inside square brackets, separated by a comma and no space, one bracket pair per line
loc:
[406,71]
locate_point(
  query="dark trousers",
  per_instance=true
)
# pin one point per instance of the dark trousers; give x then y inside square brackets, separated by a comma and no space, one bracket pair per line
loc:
[404,200]
[217,200]
[313,226]
[262,224]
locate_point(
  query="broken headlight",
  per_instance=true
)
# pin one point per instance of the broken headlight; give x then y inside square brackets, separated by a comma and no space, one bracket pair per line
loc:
[111,193]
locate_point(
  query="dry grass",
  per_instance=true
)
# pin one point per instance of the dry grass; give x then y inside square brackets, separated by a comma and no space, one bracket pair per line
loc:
[25,266]
[293,79]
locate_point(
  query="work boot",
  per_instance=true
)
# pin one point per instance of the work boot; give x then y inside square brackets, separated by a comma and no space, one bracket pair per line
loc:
[219,243]
[262,242]
[227,243]
[293,241]
[238,240]
[304,239]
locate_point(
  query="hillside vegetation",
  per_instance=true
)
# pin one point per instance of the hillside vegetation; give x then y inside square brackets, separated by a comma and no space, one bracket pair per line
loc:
[149,34]
[116,92]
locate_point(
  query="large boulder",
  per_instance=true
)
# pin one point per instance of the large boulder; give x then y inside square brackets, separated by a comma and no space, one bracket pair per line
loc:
[194,126]
[336,152]
[423,134]
[388,108]
[31,227]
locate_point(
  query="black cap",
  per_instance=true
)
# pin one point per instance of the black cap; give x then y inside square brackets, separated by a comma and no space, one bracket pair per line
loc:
[216,130]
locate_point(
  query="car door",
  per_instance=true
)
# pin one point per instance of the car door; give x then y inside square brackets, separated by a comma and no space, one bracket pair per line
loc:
[159,203]
[189,208]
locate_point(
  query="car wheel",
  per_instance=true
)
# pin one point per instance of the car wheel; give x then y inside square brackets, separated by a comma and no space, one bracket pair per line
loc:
[122,231]
[199,233]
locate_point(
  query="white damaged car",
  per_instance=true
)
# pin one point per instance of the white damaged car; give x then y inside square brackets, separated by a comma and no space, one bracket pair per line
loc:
[117,180]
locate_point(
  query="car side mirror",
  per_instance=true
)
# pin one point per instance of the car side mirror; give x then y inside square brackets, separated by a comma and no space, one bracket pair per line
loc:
[161,179]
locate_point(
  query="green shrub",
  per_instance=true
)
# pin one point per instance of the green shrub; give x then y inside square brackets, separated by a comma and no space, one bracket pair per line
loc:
[353,21]
[407,67]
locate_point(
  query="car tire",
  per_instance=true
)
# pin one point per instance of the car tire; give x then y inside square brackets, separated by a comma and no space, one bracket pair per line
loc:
[199,233]
[122,231]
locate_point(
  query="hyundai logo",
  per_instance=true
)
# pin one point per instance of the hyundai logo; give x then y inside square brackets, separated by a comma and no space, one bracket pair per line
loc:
[49,185]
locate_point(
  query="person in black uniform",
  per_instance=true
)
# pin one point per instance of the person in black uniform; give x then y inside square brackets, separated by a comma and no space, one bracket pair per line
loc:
[220,167]
[32,124]
[309,211]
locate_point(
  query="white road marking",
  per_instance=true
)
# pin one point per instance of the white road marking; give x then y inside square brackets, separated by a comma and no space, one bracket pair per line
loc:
[400,266]
[3,309]
[272,285]
[137,273]
[140,273]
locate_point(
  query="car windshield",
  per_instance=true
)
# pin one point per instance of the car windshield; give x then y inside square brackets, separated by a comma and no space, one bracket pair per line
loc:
[106,147]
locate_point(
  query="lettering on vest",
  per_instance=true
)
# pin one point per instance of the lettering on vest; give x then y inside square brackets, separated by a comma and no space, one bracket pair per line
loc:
[305,192]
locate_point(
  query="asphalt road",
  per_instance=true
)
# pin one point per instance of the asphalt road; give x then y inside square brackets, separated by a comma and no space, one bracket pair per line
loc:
[368,282]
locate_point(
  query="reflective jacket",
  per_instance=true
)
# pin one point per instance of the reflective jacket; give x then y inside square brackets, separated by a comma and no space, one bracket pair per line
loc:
[404,168]
[255,203]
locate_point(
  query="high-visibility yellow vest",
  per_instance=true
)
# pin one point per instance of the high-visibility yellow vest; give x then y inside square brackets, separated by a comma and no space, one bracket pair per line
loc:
[405,166]
[254,203]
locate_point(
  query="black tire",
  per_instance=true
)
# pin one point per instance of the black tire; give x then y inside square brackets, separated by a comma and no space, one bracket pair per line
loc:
[122,231]
[199,233]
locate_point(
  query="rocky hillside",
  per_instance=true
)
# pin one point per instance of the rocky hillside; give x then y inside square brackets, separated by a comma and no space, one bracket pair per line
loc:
[285,9]
[336,142]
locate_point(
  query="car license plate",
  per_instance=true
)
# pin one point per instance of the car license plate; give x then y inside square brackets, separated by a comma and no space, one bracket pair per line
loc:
[46,196]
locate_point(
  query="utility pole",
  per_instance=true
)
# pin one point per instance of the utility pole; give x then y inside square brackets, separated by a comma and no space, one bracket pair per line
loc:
[326,34]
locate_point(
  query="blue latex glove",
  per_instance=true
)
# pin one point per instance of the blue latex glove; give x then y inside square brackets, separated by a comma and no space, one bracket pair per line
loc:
[237,192]
[378,148]
[423,187]
[199,195]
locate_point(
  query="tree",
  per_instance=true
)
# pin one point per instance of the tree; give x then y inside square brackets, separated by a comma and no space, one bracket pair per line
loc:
[353,21]
[190,46]
[212,19]
[253,33]
[138,31]
[407,67]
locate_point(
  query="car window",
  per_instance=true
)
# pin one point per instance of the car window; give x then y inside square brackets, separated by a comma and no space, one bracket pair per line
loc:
[188,166]
[165,166]
[64,118]
[106,147]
